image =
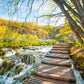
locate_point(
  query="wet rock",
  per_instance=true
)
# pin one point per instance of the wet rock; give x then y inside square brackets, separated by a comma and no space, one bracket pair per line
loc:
[10,65]
[37,48]
[2,71]
[17,53]
[25,76]
[27,47]
[19,68]
[10,52]
[4,64]
[32,48]
[1,52]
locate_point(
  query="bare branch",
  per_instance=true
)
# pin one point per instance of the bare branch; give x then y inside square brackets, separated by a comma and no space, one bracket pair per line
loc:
[57,20]
[28,3]
[29,10]
[21,4]
[41,5]
[52,15]
[54,9]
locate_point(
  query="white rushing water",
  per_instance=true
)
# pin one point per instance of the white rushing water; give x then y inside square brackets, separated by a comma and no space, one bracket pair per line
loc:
[1,62]
[10,77]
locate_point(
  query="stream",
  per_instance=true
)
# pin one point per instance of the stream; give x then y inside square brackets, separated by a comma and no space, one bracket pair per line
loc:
[17,64]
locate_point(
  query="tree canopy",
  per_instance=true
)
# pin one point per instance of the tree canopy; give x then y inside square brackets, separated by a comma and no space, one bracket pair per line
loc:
[73,10]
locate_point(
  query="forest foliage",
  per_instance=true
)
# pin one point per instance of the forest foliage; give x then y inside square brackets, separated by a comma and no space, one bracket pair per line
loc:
[13,33]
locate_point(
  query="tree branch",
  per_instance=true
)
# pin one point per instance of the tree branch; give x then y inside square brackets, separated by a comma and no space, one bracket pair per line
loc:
[30,10]
[40,5]
[72,10]
[56,15]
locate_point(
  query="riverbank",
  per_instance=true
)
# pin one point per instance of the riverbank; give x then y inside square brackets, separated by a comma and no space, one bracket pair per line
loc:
[11,43]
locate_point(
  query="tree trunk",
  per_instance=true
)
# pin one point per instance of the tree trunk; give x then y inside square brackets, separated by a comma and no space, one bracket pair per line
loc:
[80,8]
[75,33]
[79,32]
[77,28]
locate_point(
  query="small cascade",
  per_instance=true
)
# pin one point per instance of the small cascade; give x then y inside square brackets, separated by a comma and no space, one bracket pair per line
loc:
[20,65]
[27,60]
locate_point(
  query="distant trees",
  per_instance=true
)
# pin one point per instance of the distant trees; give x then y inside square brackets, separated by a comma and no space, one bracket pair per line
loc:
[24,28]
[65,34]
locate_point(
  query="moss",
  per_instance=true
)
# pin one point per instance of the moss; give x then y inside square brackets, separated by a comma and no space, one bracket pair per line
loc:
[2,71]
[18,69]
[25,76]
[16,53]
[10,65]
[34,61]
[1,51]
[4,64]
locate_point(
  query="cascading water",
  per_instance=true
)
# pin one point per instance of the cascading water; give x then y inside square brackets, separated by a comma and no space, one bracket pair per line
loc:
[23,63]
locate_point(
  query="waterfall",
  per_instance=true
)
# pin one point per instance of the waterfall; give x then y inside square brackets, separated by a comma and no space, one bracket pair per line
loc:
[11,77]
[27,59]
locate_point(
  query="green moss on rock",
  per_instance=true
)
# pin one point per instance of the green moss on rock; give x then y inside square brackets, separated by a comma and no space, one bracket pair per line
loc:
[16,53]
[4,64]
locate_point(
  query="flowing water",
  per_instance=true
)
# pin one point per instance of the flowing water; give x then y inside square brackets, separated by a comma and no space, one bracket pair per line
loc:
[26,59]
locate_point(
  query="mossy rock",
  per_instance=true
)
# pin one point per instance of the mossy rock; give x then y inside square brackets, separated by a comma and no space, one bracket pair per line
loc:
[16,53]
[19,68]
[2,71]
[2,53]
[25,76]
[10,65]
[4,64]
[34,61]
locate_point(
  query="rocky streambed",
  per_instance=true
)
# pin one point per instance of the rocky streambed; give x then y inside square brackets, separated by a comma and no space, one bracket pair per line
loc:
[16,65]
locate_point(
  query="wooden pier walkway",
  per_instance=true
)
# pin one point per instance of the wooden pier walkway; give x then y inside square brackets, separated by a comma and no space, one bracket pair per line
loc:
[55,68]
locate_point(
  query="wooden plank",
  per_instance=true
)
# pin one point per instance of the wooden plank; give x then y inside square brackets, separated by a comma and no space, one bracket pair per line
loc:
[54,61]
[55,72]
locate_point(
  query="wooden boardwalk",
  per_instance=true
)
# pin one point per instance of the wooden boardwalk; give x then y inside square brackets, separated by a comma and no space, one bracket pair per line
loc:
[55,68]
